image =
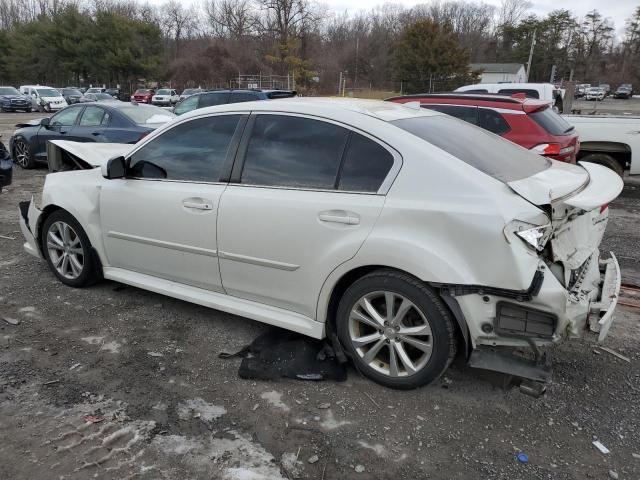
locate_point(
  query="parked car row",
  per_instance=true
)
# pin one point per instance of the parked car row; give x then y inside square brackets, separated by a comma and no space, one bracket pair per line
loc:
[405,236]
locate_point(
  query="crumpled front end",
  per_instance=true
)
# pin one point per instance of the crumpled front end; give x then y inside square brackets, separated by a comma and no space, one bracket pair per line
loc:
[29,217]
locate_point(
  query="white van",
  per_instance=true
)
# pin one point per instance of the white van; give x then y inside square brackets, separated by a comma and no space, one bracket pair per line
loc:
[542,91]
[44,99]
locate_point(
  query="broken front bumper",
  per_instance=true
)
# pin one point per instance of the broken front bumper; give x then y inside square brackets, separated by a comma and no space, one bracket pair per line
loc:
[29,216]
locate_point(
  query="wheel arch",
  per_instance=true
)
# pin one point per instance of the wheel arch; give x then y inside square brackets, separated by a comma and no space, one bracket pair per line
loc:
[349,277]
[619,151]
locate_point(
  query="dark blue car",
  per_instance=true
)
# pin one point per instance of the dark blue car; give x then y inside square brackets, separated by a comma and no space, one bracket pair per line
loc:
[223,97]
[113,122]
[11,100]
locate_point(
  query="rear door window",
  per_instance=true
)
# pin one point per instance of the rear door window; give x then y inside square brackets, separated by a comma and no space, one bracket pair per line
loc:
[468,114]
[365,165]
[289,151]
[91,117]
[492,121]
[552,122]
[493,155]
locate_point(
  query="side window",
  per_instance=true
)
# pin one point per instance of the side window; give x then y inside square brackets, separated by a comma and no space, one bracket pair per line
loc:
[477,90]
[468,114]
[492,121]
[188,104]
[292,151]
[195,151]
[106,119]
[238,97]
[365,165]
[211,99]
[91,117]
[529,93]
[66,117]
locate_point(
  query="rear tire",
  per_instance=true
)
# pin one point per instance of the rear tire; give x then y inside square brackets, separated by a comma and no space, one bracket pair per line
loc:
[396,330]
[68,251]
[604,160]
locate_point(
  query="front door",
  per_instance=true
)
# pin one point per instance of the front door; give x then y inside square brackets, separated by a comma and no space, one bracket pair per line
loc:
[308,194]
[161,219]
[60,127]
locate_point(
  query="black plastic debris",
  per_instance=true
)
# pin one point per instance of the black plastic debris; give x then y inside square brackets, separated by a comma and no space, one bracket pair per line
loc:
[279,353]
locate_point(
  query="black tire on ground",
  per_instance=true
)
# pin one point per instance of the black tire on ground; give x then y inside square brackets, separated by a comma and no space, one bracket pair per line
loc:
[604,160]
[440,320]
[90,272]
[22,153]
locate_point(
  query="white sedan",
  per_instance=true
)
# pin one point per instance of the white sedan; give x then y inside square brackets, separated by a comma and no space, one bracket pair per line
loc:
[165,97]
[403,235]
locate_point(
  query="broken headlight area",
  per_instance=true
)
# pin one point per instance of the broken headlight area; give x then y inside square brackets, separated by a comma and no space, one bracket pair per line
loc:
[535,237]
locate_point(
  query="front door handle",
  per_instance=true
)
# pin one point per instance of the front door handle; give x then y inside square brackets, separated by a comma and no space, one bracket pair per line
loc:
[339,216]
[206,205]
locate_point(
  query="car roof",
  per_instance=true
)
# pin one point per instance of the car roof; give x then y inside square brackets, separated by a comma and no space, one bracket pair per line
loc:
[323,106]
[501,101]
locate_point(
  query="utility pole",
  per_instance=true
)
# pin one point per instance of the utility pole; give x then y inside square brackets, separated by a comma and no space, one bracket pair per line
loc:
[533,44]
[355,80]
[340,84]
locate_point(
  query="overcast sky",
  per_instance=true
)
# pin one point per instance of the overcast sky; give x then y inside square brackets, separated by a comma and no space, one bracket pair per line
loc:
[617,10]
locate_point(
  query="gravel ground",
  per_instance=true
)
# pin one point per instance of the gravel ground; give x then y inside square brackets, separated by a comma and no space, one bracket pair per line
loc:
[145,368]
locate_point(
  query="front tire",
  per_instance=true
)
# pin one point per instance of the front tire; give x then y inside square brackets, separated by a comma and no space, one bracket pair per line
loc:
[22,154]
[396,330]
[68,251]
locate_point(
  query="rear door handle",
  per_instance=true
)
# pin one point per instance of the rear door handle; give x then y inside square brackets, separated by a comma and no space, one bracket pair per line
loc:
[206,205]
[339,216]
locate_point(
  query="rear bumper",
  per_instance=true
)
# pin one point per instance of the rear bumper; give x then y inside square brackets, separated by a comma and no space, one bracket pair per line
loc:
[29,217]
[558,313]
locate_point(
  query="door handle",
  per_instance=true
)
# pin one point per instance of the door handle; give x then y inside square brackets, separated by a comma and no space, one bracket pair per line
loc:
[339,216]
[95,134]
[198,205]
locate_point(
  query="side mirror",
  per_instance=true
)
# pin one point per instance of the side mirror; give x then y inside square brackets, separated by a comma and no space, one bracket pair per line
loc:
[45,122]
[116,168]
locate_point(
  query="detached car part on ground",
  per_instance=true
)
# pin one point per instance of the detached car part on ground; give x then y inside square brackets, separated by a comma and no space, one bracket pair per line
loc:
[405,236]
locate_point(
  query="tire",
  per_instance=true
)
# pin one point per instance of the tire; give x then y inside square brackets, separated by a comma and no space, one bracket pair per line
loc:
[81,268]
[22,154]
[604,160]
[428,341]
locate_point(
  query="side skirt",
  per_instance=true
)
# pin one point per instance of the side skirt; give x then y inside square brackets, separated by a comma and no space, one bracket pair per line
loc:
[275,316]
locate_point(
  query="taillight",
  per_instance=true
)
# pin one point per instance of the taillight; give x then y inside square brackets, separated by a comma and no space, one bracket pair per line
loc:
[604,207]
[552,149]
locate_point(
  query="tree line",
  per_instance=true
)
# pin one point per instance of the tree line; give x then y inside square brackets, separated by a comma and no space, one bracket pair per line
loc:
[425,47]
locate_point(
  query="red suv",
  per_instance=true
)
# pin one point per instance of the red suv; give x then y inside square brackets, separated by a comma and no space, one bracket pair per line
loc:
[143,95]
[530,123]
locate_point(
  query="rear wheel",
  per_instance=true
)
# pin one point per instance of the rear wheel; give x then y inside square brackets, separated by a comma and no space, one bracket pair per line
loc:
[22,153]
[396,330]
[68,250]
[604,160]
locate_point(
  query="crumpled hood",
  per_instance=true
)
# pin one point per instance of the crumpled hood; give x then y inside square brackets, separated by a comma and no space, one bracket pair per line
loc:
[586,186]
[93,154]
[29,123]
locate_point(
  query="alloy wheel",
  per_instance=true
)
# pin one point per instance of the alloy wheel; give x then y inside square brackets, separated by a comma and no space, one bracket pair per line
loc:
[23,156]
[65,250]
[390,334]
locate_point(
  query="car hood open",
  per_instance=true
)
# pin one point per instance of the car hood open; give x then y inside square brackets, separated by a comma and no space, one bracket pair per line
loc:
[83,155]
[587,186]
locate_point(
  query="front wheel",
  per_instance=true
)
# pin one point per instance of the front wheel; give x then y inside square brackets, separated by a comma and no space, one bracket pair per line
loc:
[68,250]
[22,153]
[396,330]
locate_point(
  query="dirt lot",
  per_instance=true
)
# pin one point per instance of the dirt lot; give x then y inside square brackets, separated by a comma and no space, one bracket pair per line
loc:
[148,366]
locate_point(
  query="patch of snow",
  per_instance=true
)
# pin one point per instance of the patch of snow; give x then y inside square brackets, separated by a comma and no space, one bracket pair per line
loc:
[198,408]
[175,444]
[275,399]
[111,347]
[92,340]
[379,449]
[330,423]
[155,354]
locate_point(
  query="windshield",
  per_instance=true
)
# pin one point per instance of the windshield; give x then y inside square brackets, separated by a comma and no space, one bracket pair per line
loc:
[551,122]
[102,96]
[146,114]
[48,92]
[8,91]
[191,91]
[163,92]
[142,92]
[489,153]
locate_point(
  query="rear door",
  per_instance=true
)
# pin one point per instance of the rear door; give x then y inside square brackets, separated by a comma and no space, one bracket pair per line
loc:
[304,195]
[92,124]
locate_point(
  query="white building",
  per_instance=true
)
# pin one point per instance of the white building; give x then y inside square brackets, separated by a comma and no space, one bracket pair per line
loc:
[500,72]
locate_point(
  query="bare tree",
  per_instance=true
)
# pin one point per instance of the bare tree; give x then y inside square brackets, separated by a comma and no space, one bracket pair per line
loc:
[231,18]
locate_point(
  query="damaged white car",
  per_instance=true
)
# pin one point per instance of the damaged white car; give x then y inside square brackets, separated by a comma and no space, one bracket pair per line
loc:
[403,235]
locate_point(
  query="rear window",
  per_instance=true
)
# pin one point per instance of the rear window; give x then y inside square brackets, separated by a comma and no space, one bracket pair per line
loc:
[143,114]
[280,94]
[528,92]
[553,123]
[211,99]
[491,154]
